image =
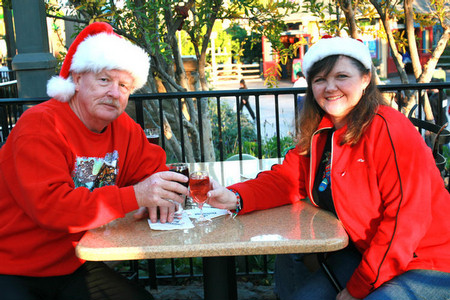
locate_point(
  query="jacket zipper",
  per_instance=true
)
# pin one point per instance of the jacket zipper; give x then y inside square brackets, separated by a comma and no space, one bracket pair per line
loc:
[311,184]
[331,169]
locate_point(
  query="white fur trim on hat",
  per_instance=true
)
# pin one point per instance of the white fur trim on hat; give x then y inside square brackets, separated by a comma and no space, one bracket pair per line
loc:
[60,88]
[336,46]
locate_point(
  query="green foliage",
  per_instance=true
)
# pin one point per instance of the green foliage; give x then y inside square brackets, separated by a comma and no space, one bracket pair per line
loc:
[269,146]
[229,129]
[446,153]
[163,266]
[319,9]
[246,48]
[284,55]
[255,263]
[248,133]
[224,41]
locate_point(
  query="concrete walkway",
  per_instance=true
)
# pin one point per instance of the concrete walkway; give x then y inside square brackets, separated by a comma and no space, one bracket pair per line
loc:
[286,104]
[194,291]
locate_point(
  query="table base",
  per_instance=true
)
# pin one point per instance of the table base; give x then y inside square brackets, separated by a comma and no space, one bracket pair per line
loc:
[216,286]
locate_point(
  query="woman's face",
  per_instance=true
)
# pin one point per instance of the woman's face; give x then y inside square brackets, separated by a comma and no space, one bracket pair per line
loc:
[340,90]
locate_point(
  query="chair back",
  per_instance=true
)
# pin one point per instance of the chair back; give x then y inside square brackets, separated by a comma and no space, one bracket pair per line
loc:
[442,137]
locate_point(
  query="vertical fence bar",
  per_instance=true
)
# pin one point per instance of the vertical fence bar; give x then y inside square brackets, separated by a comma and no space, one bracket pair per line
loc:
[258,126]
[191,267]
[139,112]
[440,107]
[277,125]
[4,122]
[265,264]
[219,126]
[247,265]
[161,124]
[172,268]
[421,103]
[238,116]
[200,128]
[180,118]
[152,275]
[296,113]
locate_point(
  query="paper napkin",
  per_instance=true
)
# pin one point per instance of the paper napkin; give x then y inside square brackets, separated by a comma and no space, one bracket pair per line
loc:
[208,212]
[178,223]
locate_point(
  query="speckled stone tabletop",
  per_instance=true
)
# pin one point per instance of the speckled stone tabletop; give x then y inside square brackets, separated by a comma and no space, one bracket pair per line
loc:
[297,228]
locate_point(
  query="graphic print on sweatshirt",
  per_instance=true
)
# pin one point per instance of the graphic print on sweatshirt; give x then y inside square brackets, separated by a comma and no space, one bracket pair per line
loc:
[94,172]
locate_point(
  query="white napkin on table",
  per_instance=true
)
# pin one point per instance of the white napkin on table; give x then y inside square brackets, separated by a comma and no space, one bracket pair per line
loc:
[208,211]
[185,221]
[178,223]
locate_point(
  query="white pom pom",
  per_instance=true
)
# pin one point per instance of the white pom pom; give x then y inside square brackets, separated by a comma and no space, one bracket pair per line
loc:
[61,89]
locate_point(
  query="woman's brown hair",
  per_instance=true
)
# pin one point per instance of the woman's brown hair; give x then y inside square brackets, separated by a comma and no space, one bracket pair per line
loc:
[357,120]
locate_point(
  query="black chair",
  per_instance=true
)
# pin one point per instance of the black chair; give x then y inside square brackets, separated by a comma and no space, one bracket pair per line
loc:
[442,138]
[321,257]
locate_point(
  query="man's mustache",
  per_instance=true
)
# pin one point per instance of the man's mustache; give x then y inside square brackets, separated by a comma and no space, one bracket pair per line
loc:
[110,101]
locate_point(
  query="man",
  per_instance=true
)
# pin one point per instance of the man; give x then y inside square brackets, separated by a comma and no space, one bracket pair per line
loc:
[300,82]
[74,163]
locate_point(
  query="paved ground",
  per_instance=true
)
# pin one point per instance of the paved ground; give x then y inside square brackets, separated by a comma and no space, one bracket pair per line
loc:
[267,106]
[286,104]
[194,291]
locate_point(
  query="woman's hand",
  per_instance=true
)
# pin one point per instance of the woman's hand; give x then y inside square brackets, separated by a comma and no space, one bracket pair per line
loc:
[345,295]
[161,191]
[221,197]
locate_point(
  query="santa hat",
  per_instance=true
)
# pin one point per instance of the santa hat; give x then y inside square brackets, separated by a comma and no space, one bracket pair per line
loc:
[328,46]
[98,47]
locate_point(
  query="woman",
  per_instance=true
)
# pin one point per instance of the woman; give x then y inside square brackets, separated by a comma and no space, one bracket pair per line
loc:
[244,100]
[366,163]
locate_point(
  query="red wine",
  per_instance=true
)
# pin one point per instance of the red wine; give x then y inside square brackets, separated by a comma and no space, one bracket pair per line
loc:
[152,135]
[154,139]
[182,169]
[199,188]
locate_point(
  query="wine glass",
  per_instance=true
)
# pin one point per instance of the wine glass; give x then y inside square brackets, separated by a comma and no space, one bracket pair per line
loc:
[199,186]
[181,168]
[152,135]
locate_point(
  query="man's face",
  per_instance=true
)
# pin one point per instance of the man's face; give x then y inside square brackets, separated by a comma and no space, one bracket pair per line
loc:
[101,97]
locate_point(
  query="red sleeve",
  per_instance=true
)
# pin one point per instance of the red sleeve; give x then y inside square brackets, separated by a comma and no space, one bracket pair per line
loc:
[283,184]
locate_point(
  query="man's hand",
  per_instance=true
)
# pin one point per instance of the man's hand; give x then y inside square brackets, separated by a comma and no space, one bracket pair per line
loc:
[345,295]
[221,197]
[161,190]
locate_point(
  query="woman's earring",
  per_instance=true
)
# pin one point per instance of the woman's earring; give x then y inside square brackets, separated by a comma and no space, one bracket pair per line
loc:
[364,91]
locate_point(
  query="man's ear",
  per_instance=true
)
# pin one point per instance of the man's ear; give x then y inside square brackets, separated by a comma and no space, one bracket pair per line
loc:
[76,79]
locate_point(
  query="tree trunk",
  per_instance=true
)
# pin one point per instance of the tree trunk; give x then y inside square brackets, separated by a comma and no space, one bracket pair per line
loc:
[347,8]
[410,34]
[430,66]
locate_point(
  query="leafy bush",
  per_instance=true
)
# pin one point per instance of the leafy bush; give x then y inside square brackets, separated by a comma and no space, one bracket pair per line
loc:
[248,134]
[229,129]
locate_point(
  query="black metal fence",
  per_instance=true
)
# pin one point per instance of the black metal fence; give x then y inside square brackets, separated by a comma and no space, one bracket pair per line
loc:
[12,107]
